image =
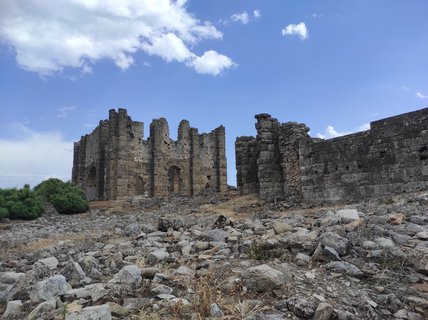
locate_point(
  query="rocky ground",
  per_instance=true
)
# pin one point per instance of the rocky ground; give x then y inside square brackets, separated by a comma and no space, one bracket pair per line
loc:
[219,256]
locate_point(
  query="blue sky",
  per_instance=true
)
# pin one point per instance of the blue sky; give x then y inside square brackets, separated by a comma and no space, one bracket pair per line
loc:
[335,65]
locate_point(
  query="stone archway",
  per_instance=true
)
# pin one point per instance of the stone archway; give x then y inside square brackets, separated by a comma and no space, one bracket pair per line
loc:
[174,180]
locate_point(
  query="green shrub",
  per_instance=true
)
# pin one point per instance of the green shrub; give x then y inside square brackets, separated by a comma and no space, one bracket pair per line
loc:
[64,196]
[20,203]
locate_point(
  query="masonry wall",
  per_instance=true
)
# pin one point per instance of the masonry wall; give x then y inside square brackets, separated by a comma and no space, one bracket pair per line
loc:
[390,158]
[115,161]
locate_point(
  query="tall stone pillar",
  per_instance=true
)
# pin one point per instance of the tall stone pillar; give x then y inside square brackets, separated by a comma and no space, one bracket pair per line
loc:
[184,143]
[195,162]
[268,163]
[159,135]
[221,162]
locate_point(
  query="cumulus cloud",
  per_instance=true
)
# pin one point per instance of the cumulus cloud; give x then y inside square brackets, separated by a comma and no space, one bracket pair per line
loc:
[49,36]
[211,62]
[34,157]
[64,111]
[331,132]
[297,30]
[421,96]
[257,14]
[240,17]
[169,47]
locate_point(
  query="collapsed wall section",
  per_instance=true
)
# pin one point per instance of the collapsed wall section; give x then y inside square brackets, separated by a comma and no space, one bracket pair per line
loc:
[269,163]
[284,162]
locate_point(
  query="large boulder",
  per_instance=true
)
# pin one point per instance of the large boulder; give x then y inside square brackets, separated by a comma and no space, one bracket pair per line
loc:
[88,263]
[10,277]
[333,240]
[49,288]
[344,267]
[263,278]
[50,262]
[102,312]
[13,309]
[323,311]
[347,215]
[128,275]
[301,307]
[132,230]
[156,256]
[281,227]
[73,272]
[216,235]
[94,291]
[22,288]
[43,310]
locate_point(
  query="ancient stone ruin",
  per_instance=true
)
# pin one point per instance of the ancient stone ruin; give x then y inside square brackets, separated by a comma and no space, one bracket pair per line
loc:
[114,161]
[283,161]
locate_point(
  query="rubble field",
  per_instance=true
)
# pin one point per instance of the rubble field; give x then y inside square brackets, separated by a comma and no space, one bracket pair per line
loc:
[219,256]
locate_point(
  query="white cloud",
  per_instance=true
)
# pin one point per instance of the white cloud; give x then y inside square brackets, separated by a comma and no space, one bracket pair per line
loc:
[34,157]
[296,29]
[331,132]
[317,15]
[211,62]
[257,14]
[169,47]
[240,17]
[421,96]
[364,127]
[64,111]
[49,36]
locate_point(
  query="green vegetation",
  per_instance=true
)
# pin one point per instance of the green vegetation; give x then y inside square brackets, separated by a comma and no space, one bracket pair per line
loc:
[28,204]
[20,203]
[64,196]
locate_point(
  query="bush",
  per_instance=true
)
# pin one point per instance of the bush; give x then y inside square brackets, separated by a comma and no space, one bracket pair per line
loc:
[64,196]
[20,203]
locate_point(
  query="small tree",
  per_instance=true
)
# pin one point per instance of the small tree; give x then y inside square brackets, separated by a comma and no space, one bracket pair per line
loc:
[20,203]
[64,196]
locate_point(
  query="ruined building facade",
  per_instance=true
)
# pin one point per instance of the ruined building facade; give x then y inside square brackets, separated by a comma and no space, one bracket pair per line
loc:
[115,162]
[283,161]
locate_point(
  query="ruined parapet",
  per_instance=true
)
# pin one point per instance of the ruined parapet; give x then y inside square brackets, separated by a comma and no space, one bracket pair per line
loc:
[121,163]
[390,158]
[387,159]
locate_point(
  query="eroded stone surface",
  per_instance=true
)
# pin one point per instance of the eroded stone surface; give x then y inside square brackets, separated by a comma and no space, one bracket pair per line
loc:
[115,162]
[283,161]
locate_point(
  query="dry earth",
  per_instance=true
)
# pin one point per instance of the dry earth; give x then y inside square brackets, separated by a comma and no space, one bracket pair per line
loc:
[175,259]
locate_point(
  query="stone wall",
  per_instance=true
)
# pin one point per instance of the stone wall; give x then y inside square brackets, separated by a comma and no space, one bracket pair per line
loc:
[284,162]
[115,161]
